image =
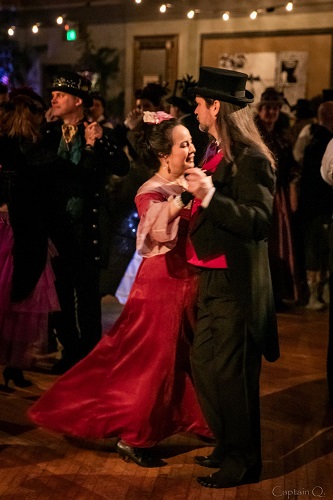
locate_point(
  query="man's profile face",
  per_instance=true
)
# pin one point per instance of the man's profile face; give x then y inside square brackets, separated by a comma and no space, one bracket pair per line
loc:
[205,115]
[64,104]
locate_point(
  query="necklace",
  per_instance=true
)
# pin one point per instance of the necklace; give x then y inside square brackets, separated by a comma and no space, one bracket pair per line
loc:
[161,177]
[178,182]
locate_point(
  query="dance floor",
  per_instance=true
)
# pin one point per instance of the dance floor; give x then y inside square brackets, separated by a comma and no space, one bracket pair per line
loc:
[297,434]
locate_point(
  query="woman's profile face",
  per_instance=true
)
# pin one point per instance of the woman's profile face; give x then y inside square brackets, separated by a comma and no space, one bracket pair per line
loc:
[182,152]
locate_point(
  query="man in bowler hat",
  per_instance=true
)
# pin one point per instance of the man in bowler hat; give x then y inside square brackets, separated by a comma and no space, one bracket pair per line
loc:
[236,318]
[82,207]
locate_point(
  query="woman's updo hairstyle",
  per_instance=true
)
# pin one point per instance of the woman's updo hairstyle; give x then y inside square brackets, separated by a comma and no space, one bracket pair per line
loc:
[155,141]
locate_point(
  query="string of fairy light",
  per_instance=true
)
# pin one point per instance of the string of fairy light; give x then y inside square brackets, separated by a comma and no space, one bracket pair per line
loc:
[69,26]
[60,21]
[226,14]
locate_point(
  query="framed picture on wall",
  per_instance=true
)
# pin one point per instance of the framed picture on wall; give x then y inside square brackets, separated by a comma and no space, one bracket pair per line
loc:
[310,61]
[286,71]
[260,66]
[291,74]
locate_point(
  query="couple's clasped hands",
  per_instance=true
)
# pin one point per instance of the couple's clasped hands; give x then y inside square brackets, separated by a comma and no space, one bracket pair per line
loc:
[199,184]
[92,132]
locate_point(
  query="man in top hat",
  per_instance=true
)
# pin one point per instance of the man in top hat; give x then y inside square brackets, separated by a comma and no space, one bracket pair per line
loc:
[83,203]
[236,321]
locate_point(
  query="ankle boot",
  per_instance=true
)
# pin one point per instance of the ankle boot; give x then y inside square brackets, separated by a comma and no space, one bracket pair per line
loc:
[16,375]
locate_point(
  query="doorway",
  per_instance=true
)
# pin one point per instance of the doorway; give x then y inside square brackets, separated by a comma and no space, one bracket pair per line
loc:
[155,60]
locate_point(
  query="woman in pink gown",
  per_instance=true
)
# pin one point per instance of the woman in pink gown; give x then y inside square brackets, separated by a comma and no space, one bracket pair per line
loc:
[23,325]
[136,384]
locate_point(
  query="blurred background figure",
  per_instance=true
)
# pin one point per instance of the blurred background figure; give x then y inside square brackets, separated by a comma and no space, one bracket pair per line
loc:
[150,98]
[304,136]
[316,207]
[182,108]
[281,244]
[98,110]
[304,114]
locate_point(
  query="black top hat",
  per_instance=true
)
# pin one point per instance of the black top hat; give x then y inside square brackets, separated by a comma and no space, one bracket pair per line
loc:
[74,84]
[224,85]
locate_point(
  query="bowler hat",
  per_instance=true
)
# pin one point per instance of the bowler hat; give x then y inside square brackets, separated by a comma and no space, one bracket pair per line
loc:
[74,84]
[271,96]
[224,85]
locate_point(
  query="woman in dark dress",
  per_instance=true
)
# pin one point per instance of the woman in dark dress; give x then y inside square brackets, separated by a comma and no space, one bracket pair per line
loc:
[281,242]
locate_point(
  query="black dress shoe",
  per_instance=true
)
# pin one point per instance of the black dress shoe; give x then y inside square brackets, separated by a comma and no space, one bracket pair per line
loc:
[140,456]
[208,461]
[230,476]
[63,365]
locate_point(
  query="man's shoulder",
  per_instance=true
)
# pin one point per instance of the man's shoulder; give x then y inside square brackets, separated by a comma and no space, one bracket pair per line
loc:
[250,153]
[53,127]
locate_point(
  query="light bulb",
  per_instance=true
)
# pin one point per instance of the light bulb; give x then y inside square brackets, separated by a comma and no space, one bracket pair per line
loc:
[226,16]
[35,28]
[289,6]
[11,31]
[190,14]
[60,19]
[253,14]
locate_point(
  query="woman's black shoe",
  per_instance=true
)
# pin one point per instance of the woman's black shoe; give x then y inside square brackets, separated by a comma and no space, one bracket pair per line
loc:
[140,456]
[16,375]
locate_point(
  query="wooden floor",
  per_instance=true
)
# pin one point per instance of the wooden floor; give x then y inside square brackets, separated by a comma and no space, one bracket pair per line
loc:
[297,429]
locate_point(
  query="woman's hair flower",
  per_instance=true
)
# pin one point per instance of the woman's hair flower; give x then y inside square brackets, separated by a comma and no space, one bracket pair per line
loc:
[155,117]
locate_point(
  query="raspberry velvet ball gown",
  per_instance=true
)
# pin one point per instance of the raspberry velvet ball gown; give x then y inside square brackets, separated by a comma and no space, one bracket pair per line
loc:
[136,384]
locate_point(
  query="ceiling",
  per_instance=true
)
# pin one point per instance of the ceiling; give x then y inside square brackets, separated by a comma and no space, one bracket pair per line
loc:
[27,12]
